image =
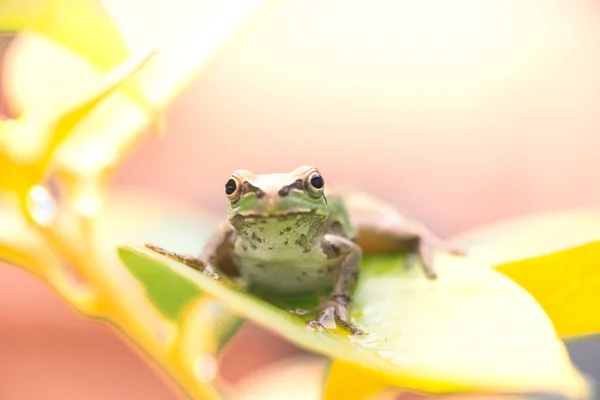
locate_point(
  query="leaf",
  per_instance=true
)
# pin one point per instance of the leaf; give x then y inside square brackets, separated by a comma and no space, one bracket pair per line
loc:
[117,125]
[550,255]
[201,25]
[73,24]
[20,244]
[531,236]
[168,292]
[349,383]
[567,286]
[84,162]
[23,246]
[170,223]
[81,25]
[345,381]
[28,143]
[473,330]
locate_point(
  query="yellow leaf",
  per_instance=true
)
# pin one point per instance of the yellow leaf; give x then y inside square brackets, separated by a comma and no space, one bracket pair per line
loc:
[347,382]
[567,286]
[81,25]
[20,244]
[531,236]
[117,124]
[23,246]
[28,143]
[344,381]
[189,37]
[550,255]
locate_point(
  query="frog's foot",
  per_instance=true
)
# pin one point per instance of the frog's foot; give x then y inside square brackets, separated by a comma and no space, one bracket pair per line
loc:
[451,248]
[338,307]
[425,253]
[191,261]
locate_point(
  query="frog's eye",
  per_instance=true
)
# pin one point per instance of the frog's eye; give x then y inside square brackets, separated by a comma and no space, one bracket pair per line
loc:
[315,184]
[317,181]
[232,189]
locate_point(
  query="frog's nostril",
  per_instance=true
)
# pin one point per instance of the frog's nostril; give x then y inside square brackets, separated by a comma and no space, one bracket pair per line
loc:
[284,191]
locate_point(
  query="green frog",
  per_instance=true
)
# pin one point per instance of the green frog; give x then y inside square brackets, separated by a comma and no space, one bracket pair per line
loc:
[285,234]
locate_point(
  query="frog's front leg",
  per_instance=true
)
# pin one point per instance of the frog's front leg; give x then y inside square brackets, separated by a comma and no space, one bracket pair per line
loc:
[196,263]
[339,301]
[220,242]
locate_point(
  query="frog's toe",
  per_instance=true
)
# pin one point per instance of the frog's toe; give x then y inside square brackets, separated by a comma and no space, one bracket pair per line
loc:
[157,249]
[315,325]
[409,260]
[426,256]
[355,330]
[431,274]
[211,274]
[457,251]
[450,247]
[342,320]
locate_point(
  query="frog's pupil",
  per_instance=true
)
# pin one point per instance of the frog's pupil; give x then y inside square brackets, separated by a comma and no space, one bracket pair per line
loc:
[230,186]
[317,181]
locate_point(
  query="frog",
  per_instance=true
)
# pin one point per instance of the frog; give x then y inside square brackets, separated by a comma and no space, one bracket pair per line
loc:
[286,234]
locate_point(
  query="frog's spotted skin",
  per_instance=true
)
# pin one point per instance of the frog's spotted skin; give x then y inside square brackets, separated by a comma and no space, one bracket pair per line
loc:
[284,256]
[285,236]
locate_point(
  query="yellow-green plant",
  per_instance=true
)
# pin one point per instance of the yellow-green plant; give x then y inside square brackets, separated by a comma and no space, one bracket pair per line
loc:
[75,141]
[493,323]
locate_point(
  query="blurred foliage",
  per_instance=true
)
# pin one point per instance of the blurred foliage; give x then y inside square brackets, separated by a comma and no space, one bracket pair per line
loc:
[73,143]
[472,331]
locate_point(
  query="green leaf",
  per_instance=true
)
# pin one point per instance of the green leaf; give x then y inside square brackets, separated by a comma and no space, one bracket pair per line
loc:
[173,294]
[472,330]
[170,293]
[175,225]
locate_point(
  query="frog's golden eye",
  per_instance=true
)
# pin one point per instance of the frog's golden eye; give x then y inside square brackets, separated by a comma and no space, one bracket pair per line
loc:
[233,189]
[315,184]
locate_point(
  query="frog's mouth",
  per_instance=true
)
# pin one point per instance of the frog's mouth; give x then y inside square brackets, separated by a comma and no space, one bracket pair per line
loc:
[278,215]
[292,214]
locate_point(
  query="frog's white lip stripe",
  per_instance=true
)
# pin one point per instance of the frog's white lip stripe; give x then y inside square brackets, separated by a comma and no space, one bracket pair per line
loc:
[276,215]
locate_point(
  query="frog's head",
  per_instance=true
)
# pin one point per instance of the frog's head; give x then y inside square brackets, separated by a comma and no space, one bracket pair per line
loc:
[296,194]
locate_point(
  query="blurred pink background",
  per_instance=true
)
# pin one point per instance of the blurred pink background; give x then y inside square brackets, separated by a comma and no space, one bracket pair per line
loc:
[462,113]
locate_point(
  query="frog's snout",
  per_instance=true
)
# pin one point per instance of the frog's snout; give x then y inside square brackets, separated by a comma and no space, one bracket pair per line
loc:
[269,204]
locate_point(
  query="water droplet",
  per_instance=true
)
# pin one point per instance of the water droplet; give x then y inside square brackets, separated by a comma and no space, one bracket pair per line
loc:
[42,206]
[205,368]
